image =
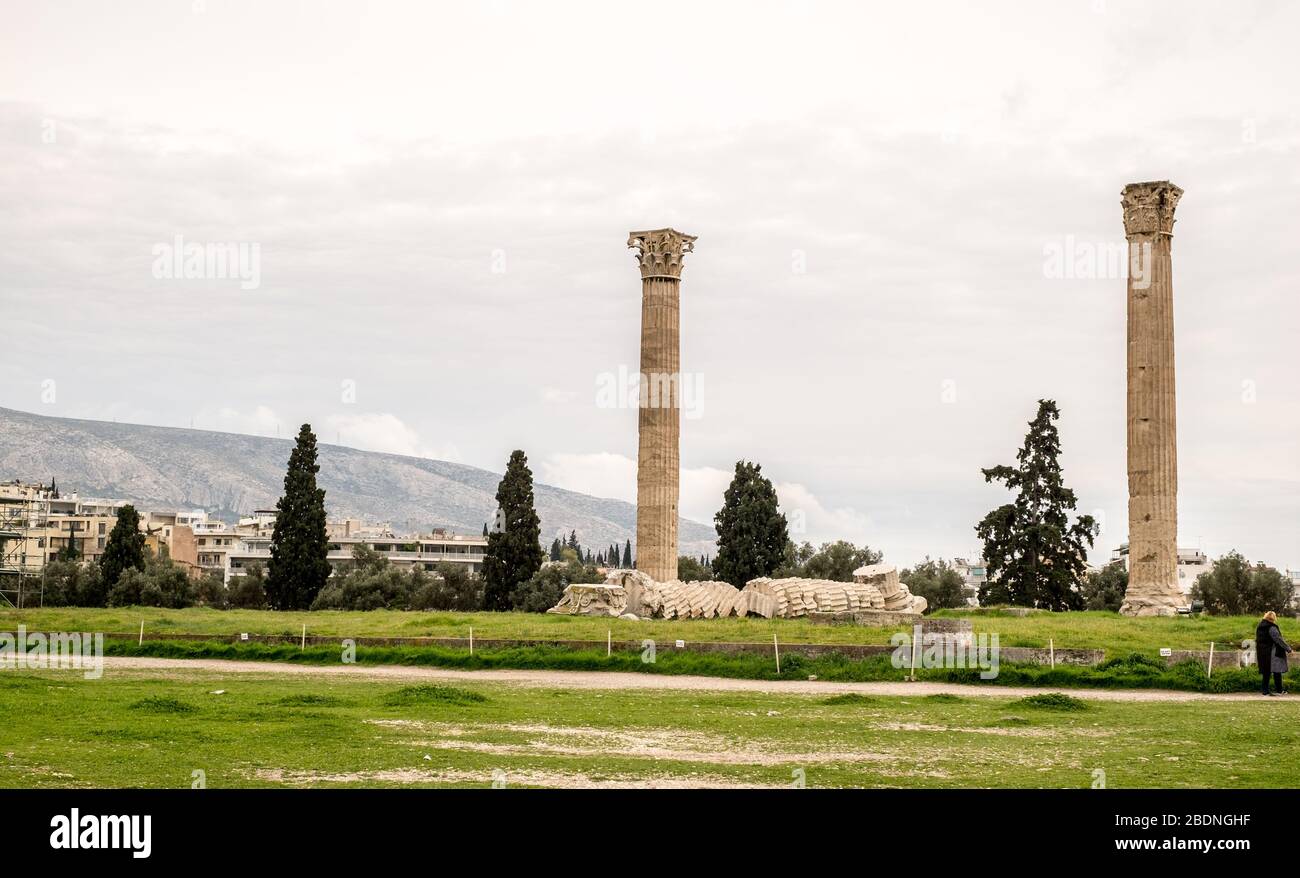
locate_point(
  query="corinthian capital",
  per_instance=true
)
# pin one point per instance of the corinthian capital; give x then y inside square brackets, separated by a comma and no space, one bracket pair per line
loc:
[1149,207]
[659,252]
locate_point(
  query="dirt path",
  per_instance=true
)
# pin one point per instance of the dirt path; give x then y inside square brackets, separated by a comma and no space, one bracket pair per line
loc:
[623,681]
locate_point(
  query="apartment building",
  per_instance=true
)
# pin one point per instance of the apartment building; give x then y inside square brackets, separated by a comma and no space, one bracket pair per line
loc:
[404,552]
[36,522]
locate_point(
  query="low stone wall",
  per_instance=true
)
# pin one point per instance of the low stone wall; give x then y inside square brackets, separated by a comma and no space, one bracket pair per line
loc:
[871,618]
[1012,654]
[1224,658]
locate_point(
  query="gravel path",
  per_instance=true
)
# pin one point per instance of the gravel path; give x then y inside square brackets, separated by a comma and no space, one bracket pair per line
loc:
[624,681]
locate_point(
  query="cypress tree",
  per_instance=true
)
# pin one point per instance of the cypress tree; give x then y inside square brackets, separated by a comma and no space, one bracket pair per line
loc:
[751,529]
[514,551]
[1035,557]
[124,548]
[299,563]
[627,555]
[555,549]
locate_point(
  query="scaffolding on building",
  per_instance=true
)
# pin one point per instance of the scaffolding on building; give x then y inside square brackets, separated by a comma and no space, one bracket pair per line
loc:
[23,548]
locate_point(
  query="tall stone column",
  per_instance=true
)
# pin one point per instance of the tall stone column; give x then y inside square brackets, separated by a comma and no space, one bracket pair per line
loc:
[659,253]
[1152,436]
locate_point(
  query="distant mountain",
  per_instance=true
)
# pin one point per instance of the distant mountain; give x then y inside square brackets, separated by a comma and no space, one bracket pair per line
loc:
[229,474]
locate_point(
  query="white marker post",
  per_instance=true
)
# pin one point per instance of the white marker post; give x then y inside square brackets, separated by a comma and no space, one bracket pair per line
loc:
[141,632]
[1209,668]
[915,642]
[1051,652]
[471,640]
[609,642]
[304,637]
[776,648]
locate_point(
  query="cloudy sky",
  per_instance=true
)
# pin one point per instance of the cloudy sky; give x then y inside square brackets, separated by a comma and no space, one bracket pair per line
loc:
[440,196]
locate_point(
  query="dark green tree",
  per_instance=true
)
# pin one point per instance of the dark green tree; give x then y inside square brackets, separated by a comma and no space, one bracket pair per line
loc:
[1036,557]
[627,556]
[514,552]
[937,582]
[544,588]
[299,565]
[1233,587]
[125,547]
[836,561]
[248,592]
[555,549]
[1104,589]
[752,532]
[689,569]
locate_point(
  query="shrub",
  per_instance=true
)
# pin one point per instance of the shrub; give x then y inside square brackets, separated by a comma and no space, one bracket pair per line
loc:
[1232,587]
[1104,589]
[452,587]
[72,583]
[248,592]
[161,584]
[155,704]
[363,589]
[432,694]
[546,587]
[211,591]
[936,581]
[1135,662]
[848,698]
[1053,701]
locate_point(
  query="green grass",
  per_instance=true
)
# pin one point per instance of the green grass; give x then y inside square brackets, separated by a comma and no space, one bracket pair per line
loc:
[263,730]
[848,698]
[1109,631]
[154,704]
[413,695]
[1126,673]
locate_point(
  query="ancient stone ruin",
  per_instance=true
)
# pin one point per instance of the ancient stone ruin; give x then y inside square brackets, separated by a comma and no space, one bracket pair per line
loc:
[1152,432]
[591,599]
[896,594]
[632,593]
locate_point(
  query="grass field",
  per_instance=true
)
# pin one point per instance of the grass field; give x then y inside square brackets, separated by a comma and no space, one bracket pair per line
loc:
[155,729]
[1132,671]
[1116,634]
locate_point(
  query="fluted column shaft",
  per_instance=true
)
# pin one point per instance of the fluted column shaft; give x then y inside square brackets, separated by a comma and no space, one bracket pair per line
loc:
[659,429]
[1152,424]
[659,254]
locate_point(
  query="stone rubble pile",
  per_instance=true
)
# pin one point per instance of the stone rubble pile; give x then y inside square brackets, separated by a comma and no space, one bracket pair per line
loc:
[793,598]
[896,593]
[632,593]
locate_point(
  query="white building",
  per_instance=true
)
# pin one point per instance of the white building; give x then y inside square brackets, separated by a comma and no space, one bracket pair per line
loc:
[974,574]
[249,542]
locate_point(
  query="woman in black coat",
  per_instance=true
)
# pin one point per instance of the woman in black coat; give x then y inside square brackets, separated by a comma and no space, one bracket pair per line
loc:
[1270,652]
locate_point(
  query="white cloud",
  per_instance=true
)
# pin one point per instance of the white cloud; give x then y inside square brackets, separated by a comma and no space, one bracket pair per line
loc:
[384,432]
[702,489]
[810,520]
[261,421]
[920,214]
[600,475]
[556,396]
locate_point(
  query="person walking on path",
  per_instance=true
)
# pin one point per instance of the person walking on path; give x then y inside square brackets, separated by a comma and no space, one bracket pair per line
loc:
[1271,652]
